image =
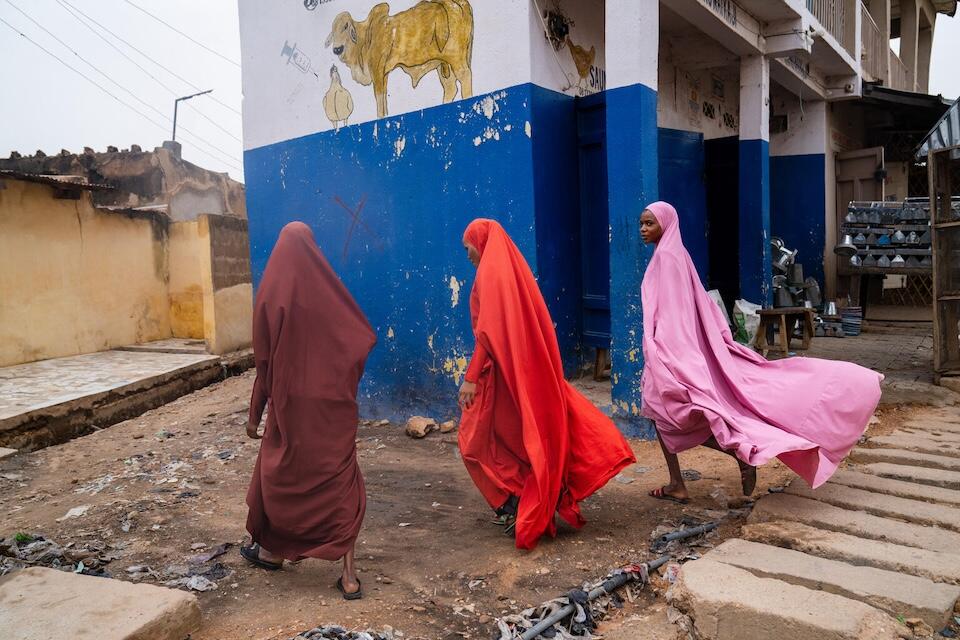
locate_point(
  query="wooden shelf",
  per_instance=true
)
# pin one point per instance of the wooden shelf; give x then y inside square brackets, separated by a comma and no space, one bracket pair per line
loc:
[883,228]
[893,271]
[947,225]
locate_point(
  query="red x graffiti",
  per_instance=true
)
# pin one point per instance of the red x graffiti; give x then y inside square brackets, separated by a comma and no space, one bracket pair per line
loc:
[355,221]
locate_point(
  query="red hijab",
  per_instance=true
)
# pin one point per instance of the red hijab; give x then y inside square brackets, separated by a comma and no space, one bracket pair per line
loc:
[571,448]
[310,344]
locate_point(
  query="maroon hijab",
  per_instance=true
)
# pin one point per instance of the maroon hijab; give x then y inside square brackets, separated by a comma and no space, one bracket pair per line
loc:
[310,344]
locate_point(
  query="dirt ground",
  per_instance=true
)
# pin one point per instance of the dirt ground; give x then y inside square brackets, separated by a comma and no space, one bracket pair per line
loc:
[431,563]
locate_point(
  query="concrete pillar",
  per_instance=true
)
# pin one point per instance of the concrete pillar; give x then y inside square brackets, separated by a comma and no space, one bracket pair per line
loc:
[880,12]
[909,38]
[754,170]
[632,42]
[924,49]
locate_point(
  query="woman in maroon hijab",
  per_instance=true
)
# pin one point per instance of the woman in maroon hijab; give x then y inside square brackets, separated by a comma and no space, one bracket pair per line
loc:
[310,343]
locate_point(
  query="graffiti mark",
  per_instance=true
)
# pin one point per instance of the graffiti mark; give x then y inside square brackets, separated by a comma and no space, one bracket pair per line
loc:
[433,35]
[356,221]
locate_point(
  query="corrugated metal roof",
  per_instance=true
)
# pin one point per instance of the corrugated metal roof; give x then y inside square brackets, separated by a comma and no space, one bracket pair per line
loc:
[946,133]
[63,182]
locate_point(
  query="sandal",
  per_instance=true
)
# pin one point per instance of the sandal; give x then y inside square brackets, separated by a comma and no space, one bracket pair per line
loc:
[748,479]
[660,493]
[353,595]
[501,520]
[252,555]
[510,525]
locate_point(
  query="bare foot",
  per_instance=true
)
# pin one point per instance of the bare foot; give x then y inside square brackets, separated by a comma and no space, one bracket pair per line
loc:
[672,492]
[266,556]
[350,583]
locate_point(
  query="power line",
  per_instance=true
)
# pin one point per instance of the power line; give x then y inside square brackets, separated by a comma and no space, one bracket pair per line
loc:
[173,28]
[117,84]
[123,53]
[162,66]
[102,88]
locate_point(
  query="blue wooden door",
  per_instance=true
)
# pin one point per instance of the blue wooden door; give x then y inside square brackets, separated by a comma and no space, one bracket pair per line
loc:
[682,184]
[594,221]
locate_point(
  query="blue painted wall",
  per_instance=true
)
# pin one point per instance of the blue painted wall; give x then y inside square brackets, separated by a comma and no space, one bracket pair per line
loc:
[754,229]
[681,183]
[798,209]
[557,212]
[632,179]
[421,178]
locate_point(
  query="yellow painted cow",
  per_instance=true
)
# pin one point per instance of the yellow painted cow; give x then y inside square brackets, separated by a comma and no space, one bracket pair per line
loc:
[433,35]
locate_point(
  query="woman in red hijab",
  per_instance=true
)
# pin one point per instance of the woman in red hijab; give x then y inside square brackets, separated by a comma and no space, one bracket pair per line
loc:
[532,444]
[310,343]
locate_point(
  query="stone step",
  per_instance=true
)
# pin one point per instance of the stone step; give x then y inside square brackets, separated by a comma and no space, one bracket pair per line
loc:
[917,511]
[889,591]
[781,506]
[934,565]
[934,424]
[39,604]
[899,456]
[903,489]
[909,442]
[727,603]
[920,475]
[937,436]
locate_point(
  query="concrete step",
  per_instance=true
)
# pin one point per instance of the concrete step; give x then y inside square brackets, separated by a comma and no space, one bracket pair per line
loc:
[919,475]
[900,456]
[900,488]
[909,442]
[934,565]
[936,435]
[39,604]
[889,591]
[934,424]
[936,515]
[782,506]
[727,603]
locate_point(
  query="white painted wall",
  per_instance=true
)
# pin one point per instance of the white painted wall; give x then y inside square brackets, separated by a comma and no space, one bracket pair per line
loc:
[632,41]
[555,68]
[287,68]
[705,100]
[807,124]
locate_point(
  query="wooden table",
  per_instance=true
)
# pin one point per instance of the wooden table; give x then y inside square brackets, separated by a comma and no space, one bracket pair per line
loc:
[786,317]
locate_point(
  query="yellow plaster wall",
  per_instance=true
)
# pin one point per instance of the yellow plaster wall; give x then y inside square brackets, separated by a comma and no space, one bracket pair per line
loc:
[186,280]
[75,279]
[227,312]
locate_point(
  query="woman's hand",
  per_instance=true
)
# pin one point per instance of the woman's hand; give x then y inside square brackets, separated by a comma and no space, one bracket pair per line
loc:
[252,431]
[468,392]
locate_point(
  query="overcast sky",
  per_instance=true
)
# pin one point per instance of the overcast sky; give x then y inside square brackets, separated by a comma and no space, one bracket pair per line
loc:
[47,106]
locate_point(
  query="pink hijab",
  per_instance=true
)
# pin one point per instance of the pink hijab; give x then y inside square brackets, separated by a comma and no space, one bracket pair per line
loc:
[698,382]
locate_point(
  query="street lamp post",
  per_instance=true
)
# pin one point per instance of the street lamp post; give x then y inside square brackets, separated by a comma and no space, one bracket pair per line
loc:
[176,103]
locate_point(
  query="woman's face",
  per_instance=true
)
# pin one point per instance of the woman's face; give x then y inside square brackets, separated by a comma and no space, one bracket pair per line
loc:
[650,229]
[472,254]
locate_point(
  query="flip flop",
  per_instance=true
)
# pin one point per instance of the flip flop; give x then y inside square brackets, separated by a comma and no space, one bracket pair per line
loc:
[748,479]
[510,526]
[661,494]
[500,521]
[356,595]
[252,555]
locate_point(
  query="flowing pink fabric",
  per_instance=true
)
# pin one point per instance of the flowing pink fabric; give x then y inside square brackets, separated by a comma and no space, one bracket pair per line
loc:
[698,382]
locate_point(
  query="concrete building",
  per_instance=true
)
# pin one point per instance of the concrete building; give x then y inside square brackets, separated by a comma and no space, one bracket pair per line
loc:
[388,127]
[77,278]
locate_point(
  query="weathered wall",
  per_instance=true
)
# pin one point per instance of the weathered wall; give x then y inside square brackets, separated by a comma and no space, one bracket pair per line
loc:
[186,280]
[142,178]
[227,285]
[74,279]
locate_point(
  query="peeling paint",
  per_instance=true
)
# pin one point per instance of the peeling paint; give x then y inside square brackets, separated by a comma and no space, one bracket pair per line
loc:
[632,355]
[375,136]
[508,127]
[399,146]
[390,334]
[454,292]
[527,129]
[456,367]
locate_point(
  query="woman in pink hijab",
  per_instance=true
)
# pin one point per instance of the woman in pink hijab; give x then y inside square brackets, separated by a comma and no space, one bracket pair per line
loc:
[703,388]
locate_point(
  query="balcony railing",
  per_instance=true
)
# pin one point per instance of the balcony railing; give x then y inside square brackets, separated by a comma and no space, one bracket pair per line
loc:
[830,14]
[874,48]
[899,79]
